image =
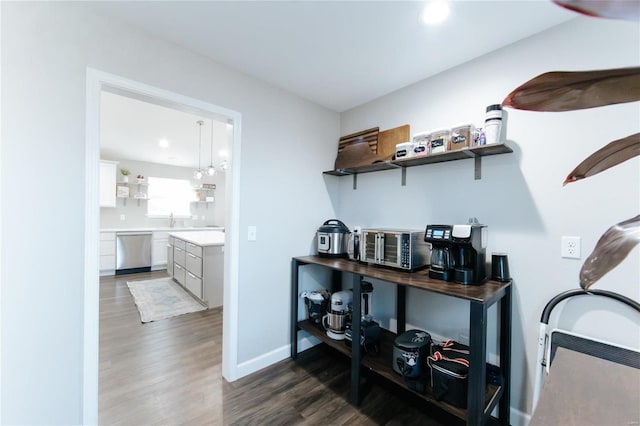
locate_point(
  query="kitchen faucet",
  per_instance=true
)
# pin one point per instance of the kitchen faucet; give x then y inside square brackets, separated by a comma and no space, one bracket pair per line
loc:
[172,221]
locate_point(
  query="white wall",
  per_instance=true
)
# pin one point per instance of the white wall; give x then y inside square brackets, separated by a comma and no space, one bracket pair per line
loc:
[135,213]
[46,48]
[520,196]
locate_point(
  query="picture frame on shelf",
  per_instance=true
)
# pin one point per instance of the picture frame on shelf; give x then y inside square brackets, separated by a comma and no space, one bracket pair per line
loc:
[122,191]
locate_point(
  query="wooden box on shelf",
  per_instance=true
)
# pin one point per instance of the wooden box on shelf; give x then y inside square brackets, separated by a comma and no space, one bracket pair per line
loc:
[122,191]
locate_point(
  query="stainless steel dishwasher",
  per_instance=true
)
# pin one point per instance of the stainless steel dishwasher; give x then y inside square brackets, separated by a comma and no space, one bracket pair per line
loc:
[133,252]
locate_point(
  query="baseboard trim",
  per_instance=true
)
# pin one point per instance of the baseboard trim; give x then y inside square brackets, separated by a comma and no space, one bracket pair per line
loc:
[518,418]
[276,355]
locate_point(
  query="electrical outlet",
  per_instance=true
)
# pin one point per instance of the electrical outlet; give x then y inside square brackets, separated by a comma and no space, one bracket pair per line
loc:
[570,247]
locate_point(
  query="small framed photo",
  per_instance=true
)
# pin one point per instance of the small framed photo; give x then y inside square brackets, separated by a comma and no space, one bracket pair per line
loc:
[122,191]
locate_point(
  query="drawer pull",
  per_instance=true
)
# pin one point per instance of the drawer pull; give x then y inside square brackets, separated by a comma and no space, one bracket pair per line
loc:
[179,249]
[178,266]
[191,275]
[191,255]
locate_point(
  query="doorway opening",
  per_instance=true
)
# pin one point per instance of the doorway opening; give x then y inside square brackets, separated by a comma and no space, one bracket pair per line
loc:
[103,84]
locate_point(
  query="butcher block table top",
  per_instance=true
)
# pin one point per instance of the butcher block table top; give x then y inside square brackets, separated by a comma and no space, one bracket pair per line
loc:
[584,390]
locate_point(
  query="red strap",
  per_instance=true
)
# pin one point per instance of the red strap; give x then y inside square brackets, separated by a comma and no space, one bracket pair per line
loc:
[446,346]
[438,356]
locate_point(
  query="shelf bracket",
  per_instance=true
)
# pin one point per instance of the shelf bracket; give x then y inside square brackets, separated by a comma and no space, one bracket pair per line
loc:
[355,181]
[404,176]
[477,165]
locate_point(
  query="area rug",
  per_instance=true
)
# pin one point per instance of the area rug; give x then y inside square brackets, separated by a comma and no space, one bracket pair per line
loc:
[162,298]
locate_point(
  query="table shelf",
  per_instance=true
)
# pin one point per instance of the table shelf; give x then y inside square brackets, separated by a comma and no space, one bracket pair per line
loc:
[380,364]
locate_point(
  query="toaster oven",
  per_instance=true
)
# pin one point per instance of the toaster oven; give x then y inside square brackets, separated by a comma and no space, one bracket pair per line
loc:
[397,248]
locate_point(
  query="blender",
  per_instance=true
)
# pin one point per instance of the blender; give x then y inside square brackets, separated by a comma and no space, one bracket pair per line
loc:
[369,329]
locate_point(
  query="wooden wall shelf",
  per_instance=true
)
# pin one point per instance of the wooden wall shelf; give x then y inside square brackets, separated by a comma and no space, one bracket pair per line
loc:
[475,152]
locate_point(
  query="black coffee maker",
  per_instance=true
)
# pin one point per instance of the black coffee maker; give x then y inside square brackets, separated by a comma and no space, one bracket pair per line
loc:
[458,252]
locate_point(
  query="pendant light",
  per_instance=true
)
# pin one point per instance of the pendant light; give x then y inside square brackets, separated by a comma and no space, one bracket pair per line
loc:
[211,170]
[198,173]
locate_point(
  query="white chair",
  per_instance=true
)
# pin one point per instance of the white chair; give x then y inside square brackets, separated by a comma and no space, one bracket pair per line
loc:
[614,336]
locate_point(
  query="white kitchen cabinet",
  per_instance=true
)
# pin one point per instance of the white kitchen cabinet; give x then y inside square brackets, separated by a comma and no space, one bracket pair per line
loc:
[194,264]
[159,243]
[194,285]
[107,253]
[108,183]
[179,256]
[179,274]
[170,256]
[213,275]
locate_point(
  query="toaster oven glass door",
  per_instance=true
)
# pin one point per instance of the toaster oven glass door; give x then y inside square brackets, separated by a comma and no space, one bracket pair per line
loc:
[390,244]
[370,244]
[382,248]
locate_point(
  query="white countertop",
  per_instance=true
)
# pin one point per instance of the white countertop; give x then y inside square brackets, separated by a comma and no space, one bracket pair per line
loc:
[201,238]
[165,228]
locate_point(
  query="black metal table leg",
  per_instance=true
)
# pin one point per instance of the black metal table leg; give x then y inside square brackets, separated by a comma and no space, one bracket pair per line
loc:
[504,410]
[355,341]
[401,309]
[477,364]
[336,281]
[294,308]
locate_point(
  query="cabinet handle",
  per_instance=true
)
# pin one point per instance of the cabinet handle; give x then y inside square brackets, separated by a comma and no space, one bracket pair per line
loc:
[191,275]
[179,249]
[177,266]
[191,255]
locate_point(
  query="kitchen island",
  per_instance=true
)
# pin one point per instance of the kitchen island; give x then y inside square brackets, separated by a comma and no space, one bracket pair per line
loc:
[159,242]
[195,260]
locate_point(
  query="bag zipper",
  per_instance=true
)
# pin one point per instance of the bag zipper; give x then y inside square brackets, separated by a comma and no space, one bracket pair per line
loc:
[449,373]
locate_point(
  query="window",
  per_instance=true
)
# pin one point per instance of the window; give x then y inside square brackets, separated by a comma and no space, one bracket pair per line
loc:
[168,196]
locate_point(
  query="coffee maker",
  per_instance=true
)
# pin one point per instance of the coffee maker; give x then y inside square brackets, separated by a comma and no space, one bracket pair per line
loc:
[458,252]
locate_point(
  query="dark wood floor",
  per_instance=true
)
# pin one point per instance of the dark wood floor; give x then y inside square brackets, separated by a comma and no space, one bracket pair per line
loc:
[169,373]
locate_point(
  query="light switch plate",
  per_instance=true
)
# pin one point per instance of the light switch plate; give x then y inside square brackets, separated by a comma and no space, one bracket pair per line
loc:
[252,233]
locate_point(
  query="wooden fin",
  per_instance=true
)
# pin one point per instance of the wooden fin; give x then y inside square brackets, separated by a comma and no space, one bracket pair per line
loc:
[608,156]
[628,10]
[614,245]
[570,90]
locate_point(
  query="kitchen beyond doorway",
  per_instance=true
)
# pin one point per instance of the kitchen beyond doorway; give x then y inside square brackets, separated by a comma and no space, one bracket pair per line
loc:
[98,81]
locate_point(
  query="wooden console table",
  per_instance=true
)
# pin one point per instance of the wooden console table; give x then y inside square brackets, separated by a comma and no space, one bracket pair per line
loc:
[482,397]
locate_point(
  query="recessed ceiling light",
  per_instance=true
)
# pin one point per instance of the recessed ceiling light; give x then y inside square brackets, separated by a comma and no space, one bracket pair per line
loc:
[163,143]
[434,12]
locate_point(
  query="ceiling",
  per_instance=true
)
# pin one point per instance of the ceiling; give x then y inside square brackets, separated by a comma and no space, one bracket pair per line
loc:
[339,54]
[131,129]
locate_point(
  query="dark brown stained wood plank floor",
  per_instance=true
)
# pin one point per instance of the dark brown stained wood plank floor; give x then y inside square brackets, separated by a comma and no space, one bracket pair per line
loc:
[169,373]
